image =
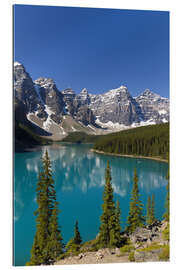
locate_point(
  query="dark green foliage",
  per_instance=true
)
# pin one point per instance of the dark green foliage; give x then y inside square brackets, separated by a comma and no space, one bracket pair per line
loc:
[54,244]
[118,215]
[73,246]
[77,236]
[135,218]
[152,141]
[47,244]
[115,234]
[109,231]
[35,253]
[26,138]
[80,137]
[150,216]
[148,221]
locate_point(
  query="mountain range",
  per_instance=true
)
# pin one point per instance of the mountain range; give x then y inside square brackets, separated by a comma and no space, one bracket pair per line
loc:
[56,113]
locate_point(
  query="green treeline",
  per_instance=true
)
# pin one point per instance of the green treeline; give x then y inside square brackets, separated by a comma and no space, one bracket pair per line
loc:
[26,138]
[150,141]
[48,244]
[80,137]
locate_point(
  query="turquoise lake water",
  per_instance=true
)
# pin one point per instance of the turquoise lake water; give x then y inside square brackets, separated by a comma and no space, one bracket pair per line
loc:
[79,182]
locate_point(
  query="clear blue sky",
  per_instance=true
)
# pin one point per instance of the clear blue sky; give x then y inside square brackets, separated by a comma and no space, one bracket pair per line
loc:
[99,49]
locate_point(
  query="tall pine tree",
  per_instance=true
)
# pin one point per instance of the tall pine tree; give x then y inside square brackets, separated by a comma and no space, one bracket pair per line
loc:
[77,236]
[118,215]
[115,232]
[47,244]
[153,209]
[54,245]
[135,217]
[109,231]
[150,216]
[73,246]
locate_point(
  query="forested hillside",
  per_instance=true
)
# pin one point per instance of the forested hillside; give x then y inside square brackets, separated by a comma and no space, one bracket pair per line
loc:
[80,137]
[150,141]
[26,138]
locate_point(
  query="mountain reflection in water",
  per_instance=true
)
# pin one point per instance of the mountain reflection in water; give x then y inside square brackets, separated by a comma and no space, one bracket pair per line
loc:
[79,181]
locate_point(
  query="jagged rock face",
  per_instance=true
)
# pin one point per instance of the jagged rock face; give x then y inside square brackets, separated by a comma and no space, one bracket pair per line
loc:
[77,106]
[19,111]
[117,106]
[68,97]
[46,106]
[82,110]
[153,107]
[25,90]
[82,98]
[51,97]
[85,115]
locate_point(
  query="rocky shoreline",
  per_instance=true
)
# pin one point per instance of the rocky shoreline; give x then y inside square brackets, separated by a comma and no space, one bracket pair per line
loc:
[147,244]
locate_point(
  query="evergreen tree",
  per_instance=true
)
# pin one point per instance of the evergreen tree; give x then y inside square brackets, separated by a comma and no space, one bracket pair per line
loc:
[47,244]
[73,246]
[135,218]
[109,231]
[35,253]
[115,232]
[148,215]
[108,215]
[118,215]
[77,236]
[152,209]
[54,245]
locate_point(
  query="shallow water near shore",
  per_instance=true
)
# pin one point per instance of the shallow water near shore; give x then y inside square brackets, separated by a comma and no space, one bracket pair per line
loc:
[79,181]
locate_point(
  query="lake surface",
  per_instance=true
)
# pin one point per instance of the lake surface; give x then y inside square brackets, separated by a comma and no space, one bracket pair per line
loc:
[79,182]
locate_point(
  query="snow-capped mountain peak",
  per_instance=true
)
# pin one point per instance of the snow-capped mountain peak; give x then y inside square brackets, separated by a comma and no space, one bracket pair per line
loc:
[153,106]
[84,91]
[17,64]
[113,110]
[45,82]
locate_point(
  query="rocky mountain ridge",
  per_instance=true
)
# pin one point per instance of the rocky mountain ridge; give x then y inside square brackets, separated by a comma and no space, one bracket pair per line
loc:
[61,112]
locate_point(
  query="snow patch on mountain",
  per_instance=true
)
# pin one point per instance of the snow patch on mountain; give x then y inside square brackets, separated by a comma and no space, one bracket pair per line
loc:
[162,112]
[17,64]
[29,118]
[63,131]
[65,111]
[47,124]
[73,129]
[110,125]
[48,110]
[91,127]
